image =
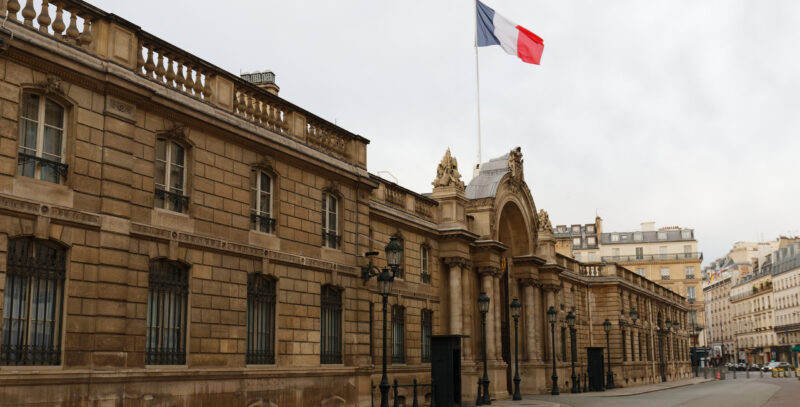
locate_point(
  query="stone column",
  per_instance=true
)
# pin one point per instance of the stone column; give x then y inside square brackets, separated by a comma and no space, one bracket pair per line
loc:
[498,318]
[486,280]
[539,318]
[468,303]
[529,311]
[454,265]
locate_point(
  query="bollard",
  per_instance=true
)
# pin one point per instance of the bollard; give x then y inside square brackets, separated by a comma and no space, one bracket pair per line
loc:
[396,398]
[415,403]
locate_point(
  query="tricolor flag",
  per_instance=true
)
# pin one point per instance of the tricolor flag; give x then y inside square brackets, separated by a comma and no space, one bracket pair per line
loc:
[494,29]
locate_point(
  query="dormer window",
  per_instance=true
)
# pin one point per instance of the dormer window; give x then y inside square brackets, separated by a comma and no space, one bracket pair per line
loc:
[662,235]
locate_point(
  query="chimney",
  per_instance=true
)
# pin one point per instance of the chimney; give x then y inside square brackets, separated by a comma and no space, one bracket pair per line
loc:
[264,80]
[598,222]
[648,226]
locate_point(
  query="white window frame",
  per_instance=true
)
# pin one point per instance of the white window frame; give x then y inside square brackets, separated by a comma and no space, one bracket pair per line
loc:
[638,237]
[615,237]
[663,270]
[40,126]
[256,208]
[168,146]
[423,261]
[326,212]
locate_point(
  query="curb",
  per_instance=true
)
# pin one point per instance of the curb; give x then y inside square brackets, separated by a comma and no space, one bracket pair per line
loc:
[659,389]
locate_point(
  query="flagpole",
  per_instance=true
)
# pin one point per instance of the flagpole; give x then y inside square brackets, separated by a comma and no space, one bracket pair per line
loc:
[477,84]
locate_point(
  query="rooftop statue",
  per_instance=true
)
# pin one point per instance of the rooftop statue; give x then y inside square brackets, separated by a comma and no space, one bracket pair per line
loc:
[447,173]
[544,221]
[515,163]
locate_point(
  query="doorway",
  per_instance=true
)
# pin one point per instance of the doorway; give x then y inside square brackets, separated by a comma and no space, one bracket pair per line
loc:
[594,356]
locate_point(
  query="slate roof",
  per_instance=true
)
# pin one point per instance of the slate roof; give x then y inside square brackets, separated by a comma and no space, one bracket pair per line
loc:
[488,180]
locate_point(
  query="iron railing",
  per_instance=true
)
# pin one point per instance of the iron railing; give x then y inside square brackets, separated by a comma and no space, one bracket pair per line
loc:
[262,223]
[652,257]
[414,393]
[165,340]
[58,168]
[331,239]
[260,319]
[331,326]
[174,202]
[398,334]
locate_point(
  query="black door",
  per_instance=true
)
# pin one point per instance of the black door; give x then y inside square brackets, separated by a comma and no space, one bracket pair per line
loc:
[596,375]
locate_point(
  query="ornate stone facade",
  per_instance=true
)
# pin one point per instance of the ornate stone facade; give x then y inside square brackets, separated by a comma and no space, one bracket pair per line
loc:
[168,162]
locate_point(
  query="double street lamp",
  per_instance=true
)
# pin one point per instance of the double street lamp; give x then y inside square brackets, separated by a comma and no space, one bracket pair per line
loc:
[609,374]
[551,318]
[516,309]
[483,307]
[385,277]
[576,387]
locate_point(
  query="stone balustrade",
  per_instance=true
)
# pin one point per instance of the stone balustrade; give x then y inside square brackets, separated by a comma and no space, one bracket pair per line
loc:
[109,37]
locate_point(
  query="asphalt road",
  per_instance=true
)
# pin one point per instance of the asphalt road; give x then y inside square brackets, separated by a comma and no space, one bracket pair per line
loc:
[753,392]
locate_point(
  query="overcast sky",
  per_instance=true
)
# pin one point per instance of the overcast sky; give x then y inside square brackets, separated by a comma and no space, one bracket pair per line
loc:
[680,112]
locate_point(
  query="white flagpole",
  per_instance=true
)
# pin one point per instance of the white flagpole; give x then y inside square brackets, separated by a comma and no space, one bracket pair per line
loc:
[477,85]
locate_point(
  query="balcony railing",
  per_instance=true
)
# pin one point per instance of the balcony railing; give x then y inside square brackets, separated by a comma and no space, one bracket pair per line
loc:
[174,202]
[57,169]
[653,257]
[262,223]
[331,239]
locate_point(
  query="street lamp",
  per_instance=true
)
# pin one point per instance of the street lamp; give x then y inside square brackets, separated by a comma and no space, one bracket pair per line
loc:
[385,277]
[609,374]
[516,309]
[551,317]
[576,387]
[483,307]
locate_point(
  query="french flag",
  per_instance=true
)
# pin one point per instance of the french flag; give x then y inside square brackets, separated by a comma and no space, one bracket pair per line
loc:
[494,29]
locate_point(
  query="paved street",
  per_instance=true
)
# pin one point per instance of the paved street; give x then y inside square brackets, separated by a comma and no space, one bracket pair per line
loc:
[742,392]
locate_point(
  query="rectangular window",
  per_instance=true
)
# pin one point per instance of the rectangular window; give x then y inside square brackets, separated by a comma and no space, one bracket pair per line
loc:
[615,237]
[261,198]
[260,319]
[615,252]
[576,242]
[165,339]
[690,292]
[371,329]
[589,228]
[686,234]
[640,347]
[576,229]
[662,235]
[591,241]
[665,273]
[637,236]
[427,331]
[639,253]
[330,221]
[690,272]
[170,177]
[423,265]
[398,334]
[662,251]
[31,326]
[687,251]
[564,344]
[41,139]
[640,271]
[330,325]
[624,349]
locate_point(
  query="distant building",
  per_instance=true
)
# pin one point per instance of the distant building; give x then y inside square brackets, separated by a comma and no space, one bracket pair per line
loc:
[668,256]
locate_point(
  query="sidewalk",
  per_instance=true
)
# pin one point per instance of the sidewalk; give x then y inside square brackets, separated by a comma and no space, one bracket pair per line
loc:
[546,400]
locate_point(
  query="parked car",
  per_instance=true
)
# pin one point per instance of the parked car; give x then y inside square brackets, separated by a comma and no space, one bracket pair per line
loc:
[741,367]
[776,365]
[755,367]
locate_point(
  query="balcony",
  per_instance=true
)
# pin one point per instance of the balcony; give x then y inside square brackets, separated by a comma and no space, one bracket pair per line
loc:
[649,258]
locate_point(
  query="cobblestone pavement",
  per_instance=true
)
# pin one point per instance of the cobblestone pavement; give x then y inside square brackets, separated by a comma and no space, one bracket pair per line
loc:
[755,391]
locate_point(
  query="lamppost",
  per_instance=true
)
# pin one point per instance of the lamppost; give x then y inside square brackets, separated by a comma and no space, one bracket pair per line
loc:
[609,374]
[676,326]
[551,317]
[516,308]
[483,307]
[664,337]
[576,387]
[635,317]
[385,277]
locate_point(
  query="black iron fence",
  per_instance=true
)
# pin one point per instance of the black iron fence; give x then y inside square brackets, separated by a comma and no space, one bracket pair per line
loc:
[414,393]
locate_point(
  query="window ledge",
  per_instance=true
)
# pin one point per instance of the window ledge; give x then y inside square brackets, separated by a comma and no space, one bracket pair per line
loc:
[43,191]
[29,369]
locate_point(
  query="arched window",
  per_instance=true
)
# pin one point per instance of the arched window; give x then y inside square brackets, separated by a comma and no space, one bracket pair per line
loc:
[261,218]
[170,176]
[398,334]
[260,319]
[165,341]
[34,298]
[41,139]
[331,325]
[330,221]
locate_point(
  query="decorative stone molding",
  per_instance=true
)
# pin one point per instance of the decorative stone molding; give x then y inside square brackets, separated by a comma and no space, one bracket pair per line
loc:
[334,401]
[447,173]
[457,262]
[51,85]
[555,288]
[530,282]
[59,214]
[120,109]
[488,271]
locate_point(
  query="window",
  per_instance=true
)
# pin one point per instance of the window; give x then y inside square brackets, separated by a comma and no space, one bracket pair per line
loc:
[576,229]
[260,319]
[165,339]
[662,235]
[576,241]
[624,348]
[637,236]
[615,237]
[640,271]
[690,292]
[591,241]
[427,331]
[31,331]
[170,176]
[563,344]
[615,252]
[261,197]
[690,272]
[639,253]
[665,273]
[633,350]
[331,325]
[687,251]
[41,139]
[640,346]
[424,275]
[398,334]
[589,228]
[662,251]
[330,221]
[686,234]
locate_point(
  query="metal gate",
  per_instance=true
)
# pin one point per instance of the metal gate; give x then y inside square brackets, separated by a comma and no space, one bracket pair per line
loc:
[595,358]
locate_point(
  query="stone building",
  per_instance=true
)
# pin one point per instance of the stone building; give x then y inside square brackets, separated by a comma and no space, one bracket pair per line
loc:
[668,255]
[172,234]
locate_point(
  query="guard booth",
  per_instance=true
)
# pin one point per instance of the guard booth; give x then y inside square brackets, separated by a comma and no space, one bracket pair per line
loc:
[596,369]
[446,369]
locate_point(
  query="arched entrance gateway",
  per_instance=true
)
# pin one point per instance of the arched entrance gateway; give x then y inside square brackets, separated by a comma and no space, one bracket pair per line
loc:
[494,241]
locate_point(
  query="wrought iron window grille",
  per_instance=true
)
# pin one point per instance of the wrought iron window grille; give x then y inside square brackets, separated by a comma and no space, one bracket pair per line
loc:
[331,325]
[331,239]
[398,334]
[261,301]
[175,202]
[427,330]
[165,340]
[262,223]
[31,325]
[59,168]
